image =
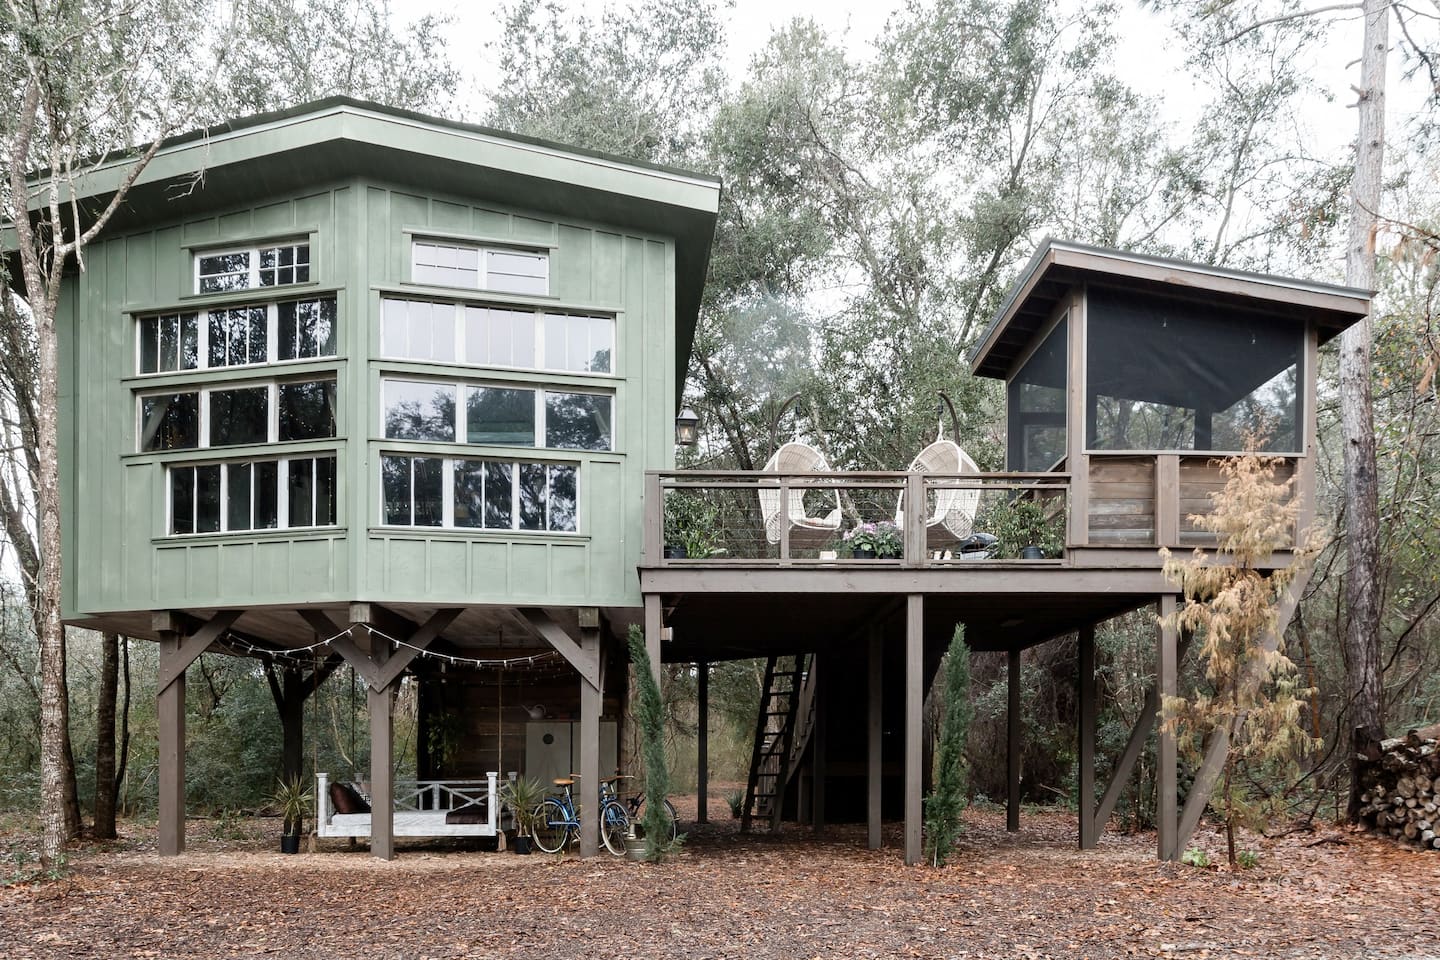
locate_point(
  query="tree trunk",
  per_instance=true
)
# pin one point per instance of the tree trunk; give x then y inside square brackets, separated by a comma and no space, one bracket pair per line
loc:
[1362,524]
[124,758]
[74,823]
[105,737]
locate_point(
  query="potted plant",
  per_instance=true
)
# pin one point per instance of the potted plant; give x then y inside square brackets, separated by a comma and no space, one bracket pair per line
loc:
[1026,530]
[871,540]
[292,798]
[522,797]
[691,526]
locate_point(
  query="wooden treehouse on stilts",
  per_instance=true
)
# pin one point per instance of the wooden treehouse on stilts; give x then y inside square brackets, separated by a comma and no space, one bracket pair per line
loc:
[1126,377]
[398,393]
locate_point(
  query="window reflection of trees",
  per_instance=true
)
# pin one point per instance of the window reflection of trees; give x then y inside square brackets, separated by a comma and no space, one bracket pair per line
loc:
[419,411]
[577,421]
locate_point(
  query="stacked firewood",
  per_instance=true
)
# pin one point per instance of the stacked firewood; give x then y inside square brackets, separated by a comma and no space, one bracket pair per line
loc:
[1400,789]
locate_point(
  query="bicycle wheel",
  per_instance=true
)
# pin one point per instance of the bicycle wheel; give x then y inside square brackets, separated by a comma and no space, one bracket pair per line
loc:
[552,826]
[639,815]
[614,827]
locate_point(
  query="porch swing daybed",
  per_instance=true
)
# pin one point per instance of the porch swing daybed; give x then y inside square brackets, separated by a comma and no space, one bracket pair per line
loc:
[422,808]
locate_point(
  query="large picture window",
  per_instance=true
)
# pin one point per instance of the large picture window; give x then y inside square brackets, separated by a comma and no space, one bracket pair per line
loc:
[1170,374]
[512,416]
[251,267]
[497,336]
[252,495]
[481,268]
[236,336]
[223,416]
[478,494]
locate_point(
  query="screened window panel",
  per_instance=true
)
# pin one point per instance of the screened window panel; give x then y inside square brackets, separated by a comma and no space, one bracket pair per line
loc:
[1187,375]
[148,331]
[395,486]
[326,491]
[469,505]
[267,495]
[169,343]
[577,421]
[532,496]
[561,511]
[238,478]
[306,410]
[300,484]
[239,416]
[429,491]
[207,498]
[182,500]
[1036,405]
[170,421]
[500,415]
[416,410]
[499,495]
[237,336]
[305,329]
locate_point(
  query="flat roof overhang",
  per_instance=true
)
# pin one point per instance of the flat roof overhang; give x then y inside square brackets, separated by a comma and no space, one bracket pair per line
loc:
[1058,266]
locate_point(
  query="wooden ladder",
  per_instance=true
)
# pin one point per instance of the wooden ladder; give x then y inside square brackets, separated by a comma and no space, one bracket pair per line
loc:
[779,737]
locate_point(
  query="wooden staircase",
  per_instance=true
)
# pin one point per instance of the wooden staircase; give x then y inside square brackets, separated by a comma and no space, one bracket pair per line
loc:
[782,730]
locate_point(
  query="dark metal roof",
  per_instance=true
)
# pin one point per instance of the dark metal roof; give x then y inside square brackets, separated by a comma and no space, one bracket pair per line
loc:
[1058,266]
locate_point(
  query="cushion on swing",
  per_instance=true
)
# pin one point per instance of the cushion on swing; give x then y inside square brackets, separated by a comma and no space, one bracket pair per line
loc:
[345,800]
[470,813]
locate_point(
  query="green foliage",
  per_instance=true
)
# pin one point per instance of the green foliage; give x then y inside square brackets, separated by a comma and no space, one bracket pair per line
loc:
[1247,859]
[692,521]
[1195,857]
[650,715]
[948,797]
[294,799]
[735,800]
[1021,522]
[522,797]
[883,538]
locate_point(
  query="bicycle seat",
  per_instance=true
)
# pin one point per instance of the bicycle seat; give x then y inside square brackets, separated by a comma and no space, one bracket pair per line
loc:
[562,782]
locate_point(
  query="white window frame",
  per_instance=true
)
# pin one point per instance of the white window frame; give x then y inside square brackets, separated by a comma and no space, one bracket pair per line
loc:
[462,387]
[253,269]
[447,492]
[482,262]
[537,331]
[282,501]
[202,320]
[272,412]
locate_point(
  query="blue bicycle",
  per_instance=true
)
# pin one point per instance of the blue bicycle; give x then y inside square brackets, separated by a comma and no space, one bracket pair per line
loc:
[557,821]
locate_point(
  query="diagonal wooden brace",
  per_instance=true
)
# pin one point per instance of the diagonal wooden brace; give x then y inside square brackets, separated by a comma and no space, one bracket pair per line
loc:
[422,638]
[192,646]
[555,635]
[340,642]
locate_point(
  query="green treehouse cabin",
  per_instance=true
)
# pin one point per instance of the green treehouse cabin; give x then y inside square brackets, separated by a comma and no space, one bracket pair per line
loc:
[349,385]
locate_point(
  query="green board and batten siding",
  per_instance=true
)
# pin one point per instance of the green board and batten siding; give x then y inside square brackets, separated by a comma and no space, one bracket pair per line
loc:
[119,556]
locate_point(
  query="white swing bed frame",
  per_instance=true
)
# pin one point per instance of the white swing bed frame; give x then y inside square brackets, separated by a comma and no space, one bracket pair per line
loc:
[420,809]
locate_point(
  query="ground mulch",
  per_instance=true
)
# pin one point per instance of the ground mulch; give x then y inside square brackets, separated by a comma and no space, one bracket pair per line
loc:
[1324,893]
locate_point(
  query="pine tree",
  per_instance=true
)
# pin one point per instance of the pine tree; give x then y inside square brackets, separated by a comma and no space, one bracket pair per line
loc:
[650,715]
[947,801]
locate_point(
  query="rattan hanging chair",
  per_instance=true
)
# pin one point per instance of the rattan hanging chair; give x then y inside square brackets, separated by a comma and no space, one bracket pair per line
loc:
[952,518]
[807,530]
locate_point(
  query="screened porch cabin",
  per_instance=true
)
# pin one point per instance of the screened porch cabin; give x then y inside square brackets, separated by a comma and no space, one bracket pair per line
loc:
[381,390]
[1126,377]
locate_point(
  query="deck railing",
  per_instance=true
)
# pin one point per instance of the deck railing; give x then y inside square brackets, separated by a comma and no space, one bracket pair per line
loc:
[754,517]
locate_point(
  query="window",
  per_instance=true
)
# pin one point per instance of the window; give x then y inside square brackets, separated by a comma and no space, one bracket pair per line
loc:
[460,265]
[496,336]
[1036,405]
[1170,374]
[233,497]
[236,336]
[169,343]
[231,416]
[252,267]
[478,494]
[514,416]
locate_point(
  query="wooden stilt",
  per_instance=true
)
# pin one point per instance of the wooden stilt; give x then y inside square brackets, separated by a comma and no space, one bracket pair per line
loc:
[1012,747]
[1089,829]
[874,769]
[170,710]
[589,749]
[654,625]
[817,812]
[914,701]
[1166,756]
[702,743]
[382,777]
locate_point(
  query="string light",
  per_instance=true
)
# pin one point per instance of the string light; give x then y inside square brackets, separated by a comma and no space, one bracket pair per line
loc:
[296,654]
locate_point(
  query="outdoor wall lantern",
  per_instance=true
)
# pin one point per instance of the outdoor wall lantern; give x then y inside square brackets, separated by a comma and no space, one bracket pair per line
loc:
[687,428]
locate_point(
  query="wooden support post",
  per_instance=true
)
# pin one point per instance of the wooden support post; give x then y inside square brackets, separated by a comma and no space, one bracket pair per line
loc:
[874,769]
[590,701]
[914,702]
[702,743]
[1012,747]
[1089,829]
[654,626]
[170,710]
[382,777]
[817,809]
[1167,776]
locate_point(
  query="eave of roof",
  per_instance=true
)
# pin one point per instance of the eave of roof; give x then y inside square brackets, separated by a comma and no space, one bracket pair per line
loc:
[1061,264]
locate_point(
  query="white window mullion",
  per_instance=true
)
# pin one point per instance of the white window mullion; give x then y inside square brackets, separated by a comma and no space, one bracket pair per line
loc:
[282,500]
[272,413]
[412,491]
[462,412]
[540,430]
[204,407]
[542,362]
[459,328]
[514,496]
[447,492]
[272,333]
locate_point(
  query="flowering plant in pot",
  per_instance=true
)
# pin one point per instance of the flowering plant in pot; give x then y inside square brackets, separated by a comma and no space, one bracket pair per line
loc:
[882,539]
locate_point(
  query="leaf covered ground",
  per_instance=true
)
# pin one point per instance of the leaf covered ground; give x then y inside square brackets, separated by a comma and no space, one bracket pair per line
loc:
[1328,893]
